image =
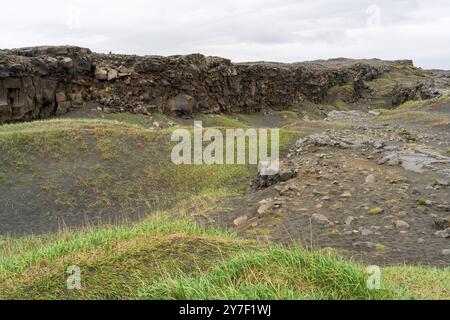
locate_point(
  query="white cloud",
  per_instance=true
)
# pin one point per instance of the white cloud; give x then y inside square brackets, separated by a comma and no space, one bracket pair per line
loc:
[277,30]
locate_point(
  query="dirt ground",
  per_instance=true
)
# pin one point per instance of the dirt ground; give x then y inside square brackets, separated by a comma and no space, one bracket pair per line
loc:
[347,198]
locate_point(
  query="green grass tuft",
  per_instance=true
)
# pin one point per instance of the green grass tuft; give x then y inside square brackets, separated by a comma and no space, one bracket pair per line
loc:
[162,258]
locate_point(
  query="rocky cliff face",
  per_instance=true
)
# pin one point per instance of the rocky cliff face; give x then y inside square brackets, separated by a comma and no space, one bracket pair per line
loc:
[416,91]
[40,82]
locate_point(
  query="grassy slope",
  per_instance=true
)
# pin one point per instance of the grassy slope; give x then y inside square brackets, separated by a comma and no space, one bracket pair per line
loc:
[165,256]
[384,84]
[162,258]
[77,168]
[422,111]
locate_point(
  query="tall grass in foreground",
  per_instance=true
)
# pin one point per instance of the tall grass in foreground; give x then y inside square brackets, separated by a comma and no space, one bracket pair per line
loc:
[162,258]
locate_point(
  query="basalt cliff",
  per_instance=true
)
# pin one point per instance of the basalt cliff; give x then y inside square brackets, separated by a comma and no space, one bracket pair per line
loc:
[40,82]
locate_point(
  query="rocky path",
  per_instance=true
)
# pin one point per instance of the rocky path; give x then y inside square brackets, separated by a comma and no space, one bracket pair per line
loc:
[376,191]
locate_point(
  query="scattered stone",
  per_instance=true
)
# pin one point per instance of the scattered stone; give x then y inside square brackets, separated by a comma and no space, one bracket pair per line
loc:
[112,74]
[420,240]
[445,252]
[346,194]
[366,232]
[441,183]
[288,189]
[378,144]
[400,224]
[443,207]
[349,220]
[240,221]
[371,178]
[265,206]
[444,233]
[101,74]
[276,205]
[67,63]
[366,244]
[442,223]
[285,175]
[320,219]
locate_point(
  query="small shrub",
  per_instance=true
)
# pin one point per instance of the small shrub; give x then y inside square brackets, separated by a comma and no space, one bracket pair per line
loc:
[375,211]
[423,202]
[407,136]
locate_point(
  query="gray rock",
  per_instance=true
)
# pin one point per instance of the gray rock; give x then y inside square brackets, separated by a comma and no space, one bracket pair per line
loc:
[349,220]
[182,104]
[124,70]
[378,144]
[445,252]
[346,194]
[400,224]
[67,63]
[444,233]
[112,74]
[101,74]
[320,219]
[265,206]
[442,183]
[240,221]
[366,244]
[371,178]
[442,223]
[285,175]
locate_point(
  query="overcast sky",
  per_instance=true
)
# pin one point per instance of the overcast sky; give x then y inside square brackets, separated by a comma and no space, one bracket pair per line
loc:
[242,30]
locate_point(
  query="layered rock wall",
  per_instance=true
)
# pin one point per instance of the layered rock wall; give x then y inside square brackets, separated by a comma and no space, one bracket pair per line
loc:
[40,82]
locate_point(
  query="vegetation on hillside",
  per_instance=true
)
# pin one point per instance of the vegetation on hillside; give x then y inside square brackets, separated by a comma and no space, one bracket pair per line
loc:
[99,166]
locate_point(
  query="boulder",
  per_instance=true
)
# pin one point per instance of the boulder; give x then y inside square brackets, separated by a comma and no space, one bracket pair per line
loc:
[320,219]
[240,221]
[182,104]
[400,224]
[112,74]
[101,74]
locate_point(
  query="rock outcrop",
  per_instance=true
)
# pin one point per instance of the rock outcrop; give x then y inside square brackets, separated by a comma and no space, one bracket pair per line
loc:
[43,81]
[417,91]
